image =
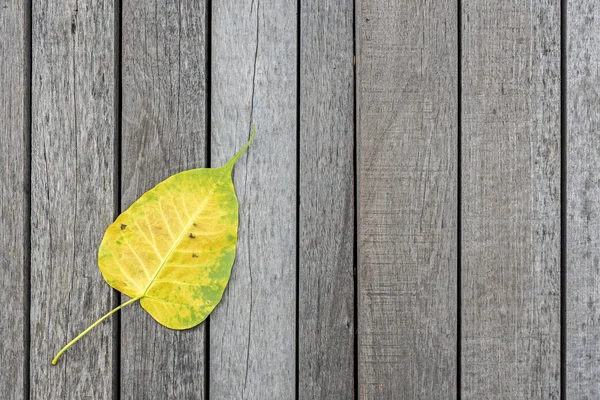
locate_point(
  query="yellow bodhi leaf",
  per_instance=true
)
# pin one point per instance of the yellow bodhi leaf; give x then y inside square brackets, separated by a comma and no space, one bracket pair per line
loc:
[173,249]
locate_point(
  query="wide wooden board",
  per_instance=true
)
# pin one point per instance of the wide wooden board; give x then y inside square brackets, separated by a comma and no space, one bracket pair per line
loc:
[254,75]
[163,132]
[407,199]
[510,200]
[72,195]
[14,211]
[582,271]
[326,209]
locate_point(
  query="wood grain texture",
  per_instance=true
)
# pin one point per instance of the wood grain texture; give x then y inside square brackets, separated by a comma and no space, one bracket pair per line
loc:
[407,329]
[164,132]
[72,187]
[13,210]
[511,200]
[254,74]
[583,201]
[326,210]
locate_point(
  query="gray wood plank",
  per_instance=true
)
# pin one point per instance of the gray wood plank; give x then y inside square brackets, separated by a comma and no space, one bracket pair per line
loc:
[253,330]
[164,132]
[13,209]
[407,199]
[583,201]
[72,187]
[510,200]
[326,218]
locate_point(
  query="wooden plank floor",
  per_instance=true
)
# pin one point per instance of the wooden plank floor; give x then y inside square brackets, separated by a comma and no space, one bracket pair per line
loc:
[419,212]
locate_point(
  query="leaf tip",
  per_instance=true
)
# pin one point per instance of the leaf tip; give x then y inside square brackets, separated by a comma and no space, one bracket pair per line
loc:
[231,162]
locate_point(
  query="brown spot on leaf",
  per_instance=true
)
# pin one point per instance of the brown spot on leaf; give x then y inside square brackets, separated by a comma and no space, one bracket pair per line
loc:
[123,226]
[195,224]
[194,255]
[191,236]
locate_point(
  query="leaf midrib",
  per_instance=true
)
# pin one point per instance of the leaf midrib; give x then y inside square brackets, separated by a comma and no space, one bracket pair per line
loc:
[184,230]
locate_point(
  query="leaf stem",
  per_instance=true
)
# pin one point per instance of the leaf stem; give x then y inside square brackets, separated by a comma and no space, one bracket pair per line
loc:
[91,327]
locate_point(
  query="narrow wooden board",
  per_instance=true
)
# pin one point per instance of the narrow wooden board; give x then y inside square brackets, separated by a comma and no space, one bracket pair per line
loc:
[407,220]
[510,200]
[326,212]
[583,200]
[72,190]
[163,132]
[254,74]
[13,212]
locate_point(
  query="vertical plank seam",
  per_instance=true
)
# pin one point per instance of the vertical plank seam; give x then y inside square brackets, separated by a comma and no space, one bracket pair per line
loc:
[356,33]
[26,176]
[250,119]
[298,83]
[563,198]
[208,135]
[459,201]
[355,211]
[116,295]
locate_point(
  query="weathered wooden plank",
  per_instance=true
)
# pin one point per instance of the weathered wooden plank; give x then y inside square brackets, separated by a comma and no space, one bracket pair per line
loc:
[511,200]
[72,187]
[13,210]
[583,200]
[407,282]
[164,132]
[253,330]
[326,210]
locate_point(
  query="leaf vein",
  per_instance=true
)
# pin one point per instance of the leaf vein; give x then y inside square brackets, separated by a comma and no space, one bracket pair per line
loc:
[126,275]
[150,243]
[176,282]
[164,217]
[151,233]
[184,266]
[139,260]
[187,213]
[176,212]
[168,301]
